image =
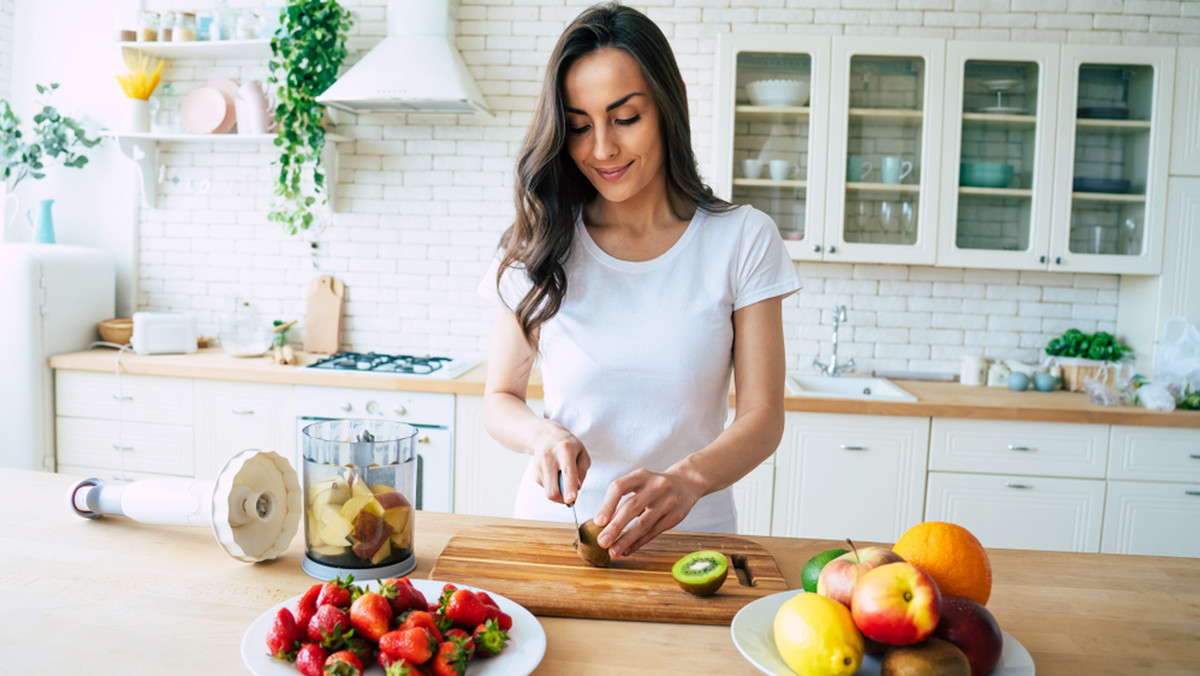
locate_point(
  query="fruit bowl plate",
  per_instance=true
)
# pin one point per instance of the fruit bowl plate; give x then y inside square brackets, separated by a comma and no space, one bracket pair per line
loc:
[754,635]
[524,652]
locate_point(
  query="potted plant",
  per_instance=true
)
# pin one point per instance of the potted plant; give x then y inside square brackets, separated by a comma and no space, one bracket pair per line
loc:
[55,138]
[307,50]
[1086,355]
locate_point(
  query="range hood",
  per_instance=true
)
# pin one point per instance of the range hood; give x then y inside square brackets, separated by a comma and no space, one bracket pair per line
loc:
[414,69]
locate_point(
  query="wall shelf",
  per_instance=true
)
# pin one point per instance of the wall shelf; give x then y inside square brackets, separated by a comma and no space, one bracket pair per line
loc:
[996,192]
[259,49]
[142,149]
[771,112]
[768,183]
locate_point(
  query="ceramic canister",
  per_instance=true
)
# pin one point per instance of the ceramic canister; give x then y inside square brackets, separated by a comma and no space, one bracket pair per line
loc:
[974,370]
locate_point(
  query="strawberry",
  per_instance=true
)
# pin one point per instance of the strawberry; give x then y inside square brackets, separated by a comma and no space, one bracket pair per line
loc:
[363,649]
[307,606]
[451,660]
[336,592]
[402,595]
[463,608]
[420,618]
[398,667]
[329,626]
[311,659]
[371,615]
[283,638]
[414,644]
[489,639]
[342,663]
[463,640]
[504,621]
[486,599]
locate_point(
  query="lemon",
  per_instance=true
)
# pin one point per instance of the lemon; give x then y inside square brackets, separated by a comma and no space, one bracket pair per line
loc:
[816,636]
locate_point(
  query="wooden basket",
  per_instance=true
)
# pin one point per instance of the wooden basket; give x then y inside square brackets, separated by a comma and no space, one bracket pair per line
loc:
[118,330]
[1073,375]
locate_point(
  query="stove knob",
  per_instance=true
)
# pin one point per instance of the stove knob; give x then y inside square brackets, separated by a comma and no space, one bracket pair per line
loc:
[373,407]
[400,410]
[347,406]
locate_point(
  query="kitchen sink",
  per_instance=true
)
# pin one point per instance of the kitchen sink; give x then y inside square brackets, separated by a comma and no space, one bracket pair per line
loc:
[846,387]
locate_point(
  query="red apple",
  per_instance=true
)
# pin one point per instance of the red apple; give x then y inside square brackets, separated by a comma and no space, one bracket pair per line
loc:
[839,576]
[974,630]
[896,603]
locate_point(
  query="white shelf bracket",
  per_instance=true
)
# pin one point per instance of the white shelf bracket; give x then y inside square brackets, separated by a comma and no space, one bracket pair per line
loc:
[144,153]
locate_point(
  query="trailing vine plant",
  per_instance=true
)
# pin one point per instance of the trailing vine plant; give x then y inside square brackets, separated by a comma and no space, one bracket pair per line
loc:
[306,53]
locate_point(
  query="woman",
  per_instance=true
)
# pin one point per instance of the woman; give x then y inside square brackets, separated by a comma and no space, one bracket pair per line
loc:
[640,291]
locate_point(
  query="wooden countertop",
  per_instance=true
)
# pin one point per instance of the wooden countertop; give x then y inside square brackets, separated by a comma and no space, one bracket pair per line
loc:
[119,595]
[934,399]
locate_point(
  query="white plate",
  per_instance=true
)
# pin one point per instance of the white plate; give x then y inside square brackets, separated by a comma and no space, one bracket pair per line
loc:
[754,636]
[525,649]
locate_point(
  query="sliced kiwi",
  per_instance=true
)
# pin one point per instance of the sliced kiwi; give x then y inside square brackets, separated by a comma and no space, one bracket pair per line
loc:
[701,573]
[590,550]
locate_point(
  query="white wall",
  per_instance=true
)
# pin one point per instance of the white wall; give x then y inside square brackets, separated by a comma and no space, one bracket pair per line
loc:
[6,36]
[423,198]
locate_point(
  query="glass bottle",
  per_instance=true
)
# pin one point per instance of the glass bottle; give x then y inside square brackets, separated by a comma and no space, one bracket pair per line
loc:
[166,25]
[247,25]
[164,110]
[148,27]
[185,27]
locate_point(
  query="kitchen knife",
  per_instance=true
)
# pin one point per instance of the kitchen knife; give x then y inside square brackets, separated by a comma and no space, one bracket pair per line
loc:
[573,515]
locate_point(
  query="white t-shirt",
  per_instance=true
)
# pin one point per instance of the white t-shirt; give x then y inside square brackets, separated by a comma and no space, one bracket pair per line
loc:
[638,360]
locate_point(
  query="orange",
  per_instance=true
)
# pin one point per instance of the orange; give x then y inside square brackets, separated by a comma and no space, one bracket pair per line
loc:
[951,555]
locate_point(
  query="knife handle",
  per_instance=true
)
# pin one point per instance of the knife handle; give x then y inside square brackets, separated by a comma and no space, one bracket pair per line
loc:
[560,488]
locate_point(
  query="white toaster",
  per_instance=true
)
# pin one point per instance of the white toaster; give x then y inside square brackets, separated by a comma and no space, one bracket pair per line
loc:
[163,333]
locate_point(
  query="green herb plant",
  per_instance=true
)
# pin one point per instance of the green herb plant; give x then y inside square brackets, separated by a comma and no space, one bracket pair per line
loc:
[1075,343]
[55,137]
[306,53]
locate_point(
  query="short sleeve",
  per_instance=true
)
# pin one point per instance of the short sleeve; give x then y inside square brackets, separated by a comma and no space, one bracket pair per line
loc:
[513,285]
[764,268]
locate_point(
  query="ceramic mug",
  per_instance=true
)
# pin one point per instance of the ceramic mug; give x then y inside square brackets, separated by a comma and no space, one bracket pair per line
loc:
[894,169]
[857,168]
[781,170]
[752,168]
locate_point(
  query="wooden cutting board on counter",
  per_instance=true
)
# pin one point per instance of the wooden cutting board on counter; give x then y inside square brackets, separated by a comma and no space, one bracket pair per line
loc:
[323,318]
[537,567]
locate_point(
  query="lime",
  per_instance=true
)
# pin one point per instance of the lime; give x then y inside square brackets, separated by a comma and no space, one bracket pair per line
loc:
[812,569]
[816,636]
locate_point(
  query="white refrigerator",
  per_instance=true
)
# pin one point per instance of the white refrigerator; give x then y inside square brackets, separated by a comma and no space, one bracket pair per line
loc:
[52,296]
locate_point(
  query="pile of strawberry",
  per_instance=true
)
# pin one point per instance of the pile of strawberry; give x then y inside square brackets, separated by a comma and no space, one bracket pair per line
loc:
[337,627]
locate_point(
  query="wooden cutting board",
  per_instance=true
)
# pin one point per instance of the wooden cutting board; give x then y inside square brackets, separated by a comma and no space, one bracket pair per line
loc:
[537,567]
[323,318]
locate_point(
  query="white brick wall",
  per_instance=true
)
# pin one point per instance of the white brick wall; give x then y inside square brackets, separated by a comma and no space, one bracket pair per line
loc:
[6,41]
[422,199]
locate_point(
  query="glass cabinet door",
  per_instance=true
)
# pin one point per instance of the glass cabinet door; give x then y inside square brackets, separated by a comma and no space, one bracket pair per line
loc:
[884,140]
[996,185]
[770,146]
[1112,160]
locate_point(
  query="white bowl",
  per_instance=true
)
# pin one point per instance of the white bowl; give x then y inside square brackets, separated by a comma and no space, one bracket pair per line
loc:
[778,92]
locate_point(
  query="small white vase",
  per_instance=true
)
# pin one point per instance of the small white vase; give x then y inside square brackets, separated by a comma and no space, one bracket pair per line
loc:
[137,115]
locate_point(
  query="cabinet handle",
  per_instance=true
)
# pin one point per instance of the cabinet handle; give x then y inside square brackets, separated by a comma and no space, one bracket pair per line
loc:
[346,406]
[1013,484]
[1195,456]
[1190,492]
[1042,259]
[423,440]
[833,249]
[243,411]
[400,410]
[1058,260]
[847,447]
[1014,447]
[122,449]
[122,397]
[817,248]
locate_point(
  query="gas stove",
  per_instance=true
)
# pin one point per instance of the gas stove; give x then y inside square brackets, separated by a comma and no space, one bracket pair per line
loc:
[406,365]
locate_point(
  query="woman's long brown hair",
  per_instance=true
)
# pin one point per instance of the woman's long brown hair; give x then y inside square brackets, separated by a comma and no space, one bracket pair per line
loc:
[551,191]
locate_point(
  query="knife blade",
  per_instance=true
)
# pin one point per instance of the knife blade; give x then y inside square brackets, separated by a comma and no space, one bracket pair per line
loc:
[574,517]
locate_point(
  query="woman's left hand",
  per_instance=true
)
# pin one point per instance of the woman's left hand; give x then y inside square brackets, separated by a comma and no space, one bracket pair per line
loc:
[657,500]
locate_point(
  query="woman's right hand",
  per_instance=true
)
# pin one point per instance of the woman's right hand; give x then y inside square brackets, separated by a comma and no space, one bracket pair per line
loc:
[557,450]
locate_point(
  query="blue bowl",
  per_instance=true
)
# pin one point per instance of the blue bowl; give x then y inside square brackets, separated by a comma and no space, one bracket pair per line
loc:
[985,174]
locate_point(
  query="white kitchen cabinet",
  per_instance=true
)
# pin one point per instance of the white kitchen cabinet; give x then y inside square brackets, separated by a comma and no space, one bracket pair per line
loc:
[1070,450]
[790,128]
[1111,160]
[996,186]
[855,476]
[486,474]
[1018,511]
[234,416]
[1185,130]
[1156,518]
[753,496]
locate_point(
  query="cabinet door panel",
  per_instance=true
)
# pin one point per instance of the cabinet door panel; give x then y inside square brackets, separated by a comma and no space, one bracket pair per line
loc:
[824,460]
[149,399]
[1185,137]
[141,447]
[232,417]
[752,496]
[1154,454]
[1013,447]
[1020,512]
[1148,518]
[486,474]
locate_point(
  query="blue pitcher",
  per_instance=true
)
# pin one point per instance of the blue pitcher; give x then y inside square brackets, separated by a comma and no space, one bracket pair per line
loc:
[43,230]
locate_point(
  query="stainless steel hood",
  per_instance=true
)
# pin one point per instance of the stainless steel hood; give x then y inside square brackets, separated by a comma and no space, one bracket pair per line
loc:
[414,69]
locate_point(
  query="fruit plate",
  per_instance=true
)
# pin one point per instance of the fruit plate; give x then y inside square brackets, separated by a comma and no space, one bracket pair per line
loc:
[526,643]
[754,635]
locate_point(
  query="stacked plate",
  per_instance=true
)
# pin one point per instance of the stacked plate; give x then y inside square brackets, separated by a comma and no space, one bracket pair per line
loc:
[209,109]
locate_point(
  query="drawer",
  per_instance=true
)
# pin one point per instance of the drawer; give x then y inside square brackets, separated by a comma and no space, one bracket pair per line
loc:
[1154,454]
[1020,512]
[1015,447]
[148,399]
[1160,519]
[149,447]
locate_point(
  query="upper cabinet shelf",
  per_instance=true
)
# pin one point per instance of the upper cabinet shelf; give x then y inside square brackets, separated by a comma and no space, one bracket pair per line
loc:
[206,49]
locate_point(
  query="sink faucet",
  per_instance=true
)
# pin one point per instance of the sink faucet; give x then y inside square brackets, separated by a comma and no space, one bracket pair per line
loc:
[833,369]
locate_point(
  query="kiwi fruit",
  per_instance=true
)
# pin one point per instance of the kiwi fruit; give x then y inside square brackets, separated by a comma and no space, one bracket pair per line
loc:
[931,657]
[701,573]
[589,550]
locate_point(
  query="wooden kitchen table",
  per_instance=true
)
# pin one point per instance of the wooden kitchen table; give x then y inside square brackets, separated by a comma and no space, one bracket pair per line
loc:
[112,596]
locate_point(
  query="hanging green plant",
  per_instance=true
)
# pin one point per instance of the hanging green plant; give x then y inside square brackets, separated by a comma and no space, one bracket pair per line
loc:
[306,53]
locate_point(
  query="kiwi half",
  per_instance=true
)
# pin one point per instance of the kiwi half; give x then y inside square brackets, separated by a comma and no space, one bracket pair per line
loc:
[701,573]
[589,550]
